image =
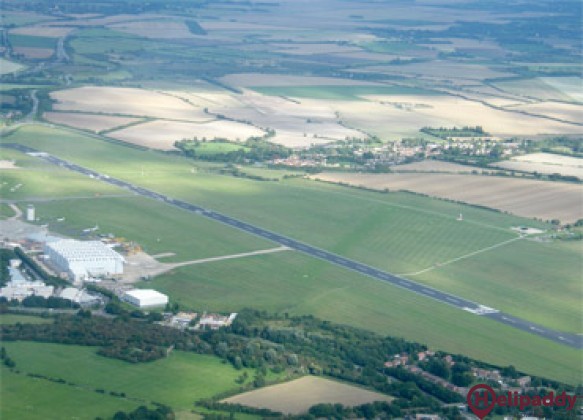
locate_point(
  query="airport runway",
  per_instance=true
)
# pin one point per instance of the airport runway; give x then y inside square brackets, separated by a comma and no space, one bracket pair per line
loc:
[568,339]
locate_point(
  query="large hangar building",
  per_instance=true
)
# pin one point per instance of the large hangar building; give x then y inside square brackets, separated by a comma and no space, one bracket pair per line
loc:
[82,260]
[145,298]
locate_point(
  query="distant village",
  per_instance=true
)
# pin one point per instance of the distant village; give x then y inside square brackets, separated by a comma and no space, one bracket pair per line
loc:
[373,154]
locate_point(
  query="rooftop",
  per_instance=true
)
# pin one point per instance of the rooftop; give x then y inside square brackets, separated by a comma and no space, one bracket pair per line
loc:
[81,250]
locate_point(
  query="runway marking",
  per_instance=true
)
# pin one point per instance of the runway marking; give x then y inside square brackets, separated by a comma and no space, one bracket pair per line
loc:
[471,254]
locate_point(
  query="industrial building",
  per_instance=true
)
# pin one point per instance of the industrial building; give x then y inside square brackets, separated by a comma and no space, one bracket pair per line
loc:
[19,287]
[82,260]
[145,298]
[82,297]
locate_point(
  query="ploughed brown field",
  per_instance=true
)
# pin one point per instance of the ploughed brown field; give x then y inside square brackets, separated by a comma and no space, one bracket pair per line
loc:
[524,197]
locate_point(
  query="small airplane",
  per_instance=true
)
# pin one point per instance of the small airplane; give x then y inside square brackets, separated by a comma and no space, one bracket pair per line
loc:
[93,229]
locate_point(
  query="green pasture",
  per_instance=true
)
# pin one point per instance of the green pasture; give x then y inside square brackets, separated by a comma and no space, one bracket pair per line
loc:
[6,211]
[32,41]
[21,19]
[29,398]
[36,179]
[8,319]
[392,47]
[5,87]
[216,148]
[103,41]
[338,93]
[177,381]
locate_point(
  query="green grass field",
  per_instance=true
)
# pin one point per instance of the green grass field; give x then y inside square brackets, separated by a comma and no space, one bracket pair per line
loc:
[338,93]
[8,319]
[399,232]
[35,179]
[178,380]
[6,211]
[215,148]
[32,41]
[35,399]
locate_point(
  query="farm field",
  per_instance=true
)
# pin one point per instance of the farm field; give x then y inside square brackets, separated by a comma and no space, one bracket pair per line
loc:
[338,93]
[33,398]
[545,163]
[545,88]
[162,135]
[7,66]
[297,396]
[527,198]
[178,380]
[562,111]
[437,166]
[126,102]
[90,122]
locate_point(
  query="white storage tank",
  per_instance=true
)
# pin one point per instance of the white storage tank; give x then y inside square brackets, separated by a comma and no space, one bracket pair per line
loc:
[30,213]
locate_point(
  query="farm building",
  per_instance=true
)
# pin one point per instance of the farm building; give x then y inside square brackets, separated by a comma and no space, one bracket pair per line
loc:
[84,259]
[145,298]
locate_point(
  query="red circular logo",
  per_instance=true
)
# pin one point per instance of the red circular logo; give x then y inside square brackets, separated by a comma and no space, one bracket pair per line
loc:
[481,393]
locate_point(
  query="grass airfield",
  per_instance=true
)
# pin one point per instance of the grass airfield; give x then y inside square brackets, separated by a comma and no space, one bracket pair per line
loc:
[404,233]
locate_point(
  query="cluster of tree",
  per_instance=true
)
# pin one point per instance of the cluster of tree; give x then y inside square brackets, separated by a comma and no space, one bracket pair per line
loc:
[5,256]
[375,410]
[236,172]
[459,374]
[6,360]
[52,302]
[118,338]
[238,408]
[194,27]
[425,385]
[445,133]
[254,149]
[161,412]
[38,270]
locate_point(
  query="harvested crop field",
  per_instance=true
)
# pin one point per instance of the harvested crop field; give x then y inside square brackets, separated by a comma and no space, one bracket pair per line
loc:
[126,101]
[296,397]
[523,197]
[441,110]
[558,110]
[45,31]
[91,122]
[162,134]
[7,66]
[436,166]
[545,163]
[33,52]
